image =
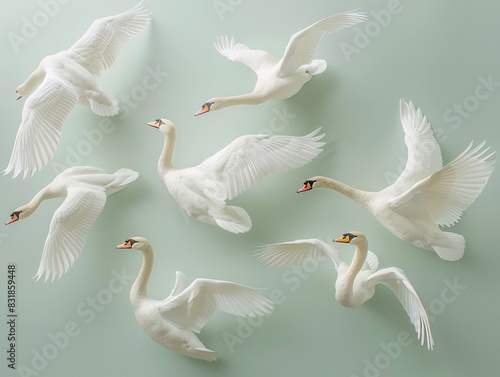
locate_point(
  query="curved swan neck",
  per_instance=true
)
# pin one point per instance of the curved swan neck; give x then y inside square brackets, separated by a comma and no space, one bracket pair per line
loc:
[359,196]
[37,200]
[165,161]
[344,286]
[140,287]
[33,81]
[357,261]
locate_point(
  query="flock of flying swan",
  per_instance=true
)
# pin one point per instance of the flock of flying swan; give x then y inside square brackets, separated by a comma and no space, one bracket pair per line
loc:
[426,196]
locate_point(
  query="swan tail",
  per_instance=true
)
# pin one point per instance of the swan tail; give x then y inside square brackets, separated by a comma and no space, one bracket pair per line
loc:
[205,354]
[237,220]
[317,66]
[103,103]
[456,251]
[122,178]
[126,175]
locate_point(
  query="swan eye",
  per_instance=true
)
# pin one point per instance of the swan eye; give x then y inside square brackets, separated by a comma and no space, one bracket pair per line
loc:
[349,237]
[15,213]
[17,92]
[131,241]
[309,182]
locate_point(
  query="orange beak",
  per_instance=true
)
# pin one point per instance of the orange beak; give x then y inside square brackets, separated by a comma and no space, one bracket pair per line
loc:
[204,110]
[19,98]
[306,187]
[13,219]
[345,239]
[154,124]
[126,245]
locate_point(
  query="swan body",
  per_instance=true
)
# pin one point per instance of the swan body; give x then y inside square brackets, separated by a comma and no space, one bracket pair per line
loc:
[355,282]
[280,79]
[202,190]
[174,321]
[85,189]
[66,78]
[426,195]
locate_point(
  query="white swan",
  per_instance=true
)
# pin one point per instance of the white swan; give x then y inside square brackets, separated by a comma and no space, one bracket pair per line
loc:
[173,322]
[202,190]
[64,79]
[355,284]
[280,79]
[426,195]
[85,189]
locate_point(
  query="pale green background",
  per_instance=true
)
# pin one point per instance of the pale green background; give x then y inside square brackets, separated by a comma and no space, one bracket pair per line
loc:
[431,52]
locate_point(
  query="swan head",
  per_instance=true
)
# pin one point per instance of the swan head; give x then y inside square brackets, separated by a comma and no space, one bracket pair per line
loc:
[164,125]
[138,243]
[212,104]
[313,183]
[19,214]
[22,91]
[355,238]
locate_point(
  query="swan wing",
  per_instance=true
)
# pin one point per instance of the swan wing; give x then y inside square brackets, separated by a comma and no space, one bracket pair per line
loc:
[303,44]
[68,229]
[43,116]
[93,177]
[372,261]
[99,47]
[82,170]
[196,304]
[397,280]
[203,184]
[298,252]
[181,283]
[238,52]
[445,194]
[251,158]
[424,153]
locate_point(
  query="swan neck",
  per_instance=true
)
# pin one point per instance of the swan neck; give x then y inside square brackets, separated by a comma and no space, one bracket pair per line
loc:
[140,287]
[345,294]
[359,196]
[244,99]
[37,200]
[33,81]
[165,161]
[357,261]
